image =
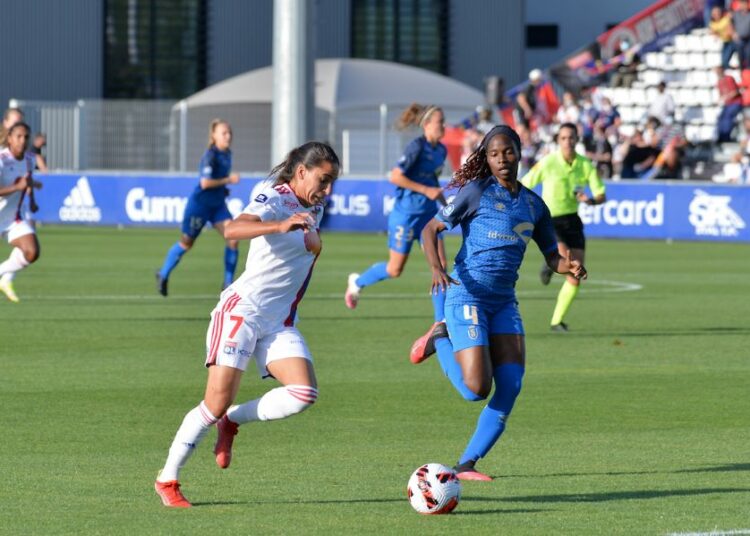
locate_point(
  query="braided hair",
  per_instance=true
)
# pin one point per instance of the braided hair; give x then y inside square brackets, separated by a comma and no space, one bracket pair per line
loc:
[476,166]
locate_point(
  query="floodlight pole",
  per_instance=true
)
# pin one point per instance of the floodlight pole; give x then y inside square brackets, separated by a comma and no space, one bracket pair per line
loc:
[293,76]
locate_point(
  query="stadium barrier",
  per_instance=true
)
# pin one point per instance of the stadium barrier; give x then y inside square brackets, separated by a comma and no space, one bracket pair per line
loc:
[653,210]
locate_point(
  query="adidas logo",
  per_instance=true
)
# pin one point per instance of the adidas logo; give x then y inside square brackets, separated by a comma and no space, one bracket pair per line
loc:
[79,205]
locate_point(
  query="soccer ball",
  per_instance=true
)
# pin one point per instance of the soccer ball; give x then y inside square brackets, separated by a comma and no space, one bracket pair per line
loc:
[434,489]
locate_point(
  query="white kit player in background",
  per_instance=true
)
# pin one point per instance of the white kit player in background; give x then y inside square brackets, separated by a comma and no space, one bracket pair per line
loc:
[16,182]
[256,315]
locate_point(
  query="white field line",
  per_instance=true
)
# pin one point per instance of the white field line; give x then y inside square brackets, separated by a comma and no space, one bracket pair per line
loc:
[594,287]
[733,532]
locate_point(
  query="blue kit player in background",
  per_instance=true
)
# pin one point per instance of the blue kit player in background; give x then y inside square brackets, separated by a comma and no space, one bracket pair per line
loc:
[417,190]
[207,204]
[482,337]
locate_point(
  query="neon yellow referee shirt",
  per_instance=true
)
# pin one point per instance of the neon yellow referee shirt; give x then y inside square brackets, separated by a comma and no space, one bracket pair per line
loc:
[560,181]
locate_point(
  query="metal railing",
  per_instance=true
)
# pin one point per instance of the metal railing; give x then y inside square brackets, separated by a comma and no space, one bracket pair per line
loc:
[149,135]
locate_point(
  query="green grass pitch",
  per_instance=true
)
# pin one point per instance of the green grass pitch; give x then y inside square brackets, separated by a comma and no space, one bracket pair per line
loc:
[636,422]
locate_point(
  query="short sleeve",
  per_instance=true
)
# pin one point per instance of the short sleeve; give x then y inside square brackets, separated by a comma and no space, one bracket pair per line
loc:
[206,167]
[463,206]
[544,232]
[534,176]
[410,156]
[265,205]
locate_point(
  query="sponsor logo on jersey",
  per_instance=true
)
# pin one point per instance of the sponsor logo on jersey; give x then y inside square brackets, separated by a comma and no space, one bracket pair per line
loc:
[261,198]
[448,209]
[230,348]
[80,205]
[473,333]
[524,230]
[625,212]
[499,206]
[288,203]
[154,209]
[711,215]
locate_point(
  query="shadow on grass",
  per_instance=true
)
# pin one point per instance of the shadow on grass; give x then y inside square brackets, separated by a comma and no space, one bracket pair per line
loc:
[619,495]
[718,468]
[714,469]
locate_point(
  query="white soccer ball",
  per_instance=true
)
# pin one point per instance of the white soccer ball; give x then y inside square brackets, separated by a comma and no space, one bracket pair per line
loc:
[434,489]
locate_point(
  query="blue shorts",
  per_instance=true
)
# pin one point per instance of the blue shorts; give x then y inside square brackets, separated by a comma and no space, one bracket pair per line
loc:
[196,216]
[472,325]
[404,229]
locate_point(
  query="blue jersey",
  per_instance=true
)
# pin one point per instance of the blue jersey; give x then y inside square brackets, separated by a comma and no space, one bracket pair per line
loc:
[496,226]
[421,162]
[215,164]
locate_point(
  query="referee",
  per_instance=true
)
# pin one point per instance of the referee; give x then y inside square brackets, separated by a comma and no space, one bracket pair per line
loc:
[564,175]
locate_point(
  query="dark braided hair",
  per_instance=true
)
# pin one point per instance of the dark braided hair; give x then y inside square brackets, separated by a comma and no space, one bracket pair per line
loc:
[311,154]
[476,166]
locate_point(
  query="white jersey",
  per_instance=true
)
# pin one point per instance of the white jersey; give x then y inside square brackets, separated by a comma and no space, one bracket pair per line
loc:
[279,265]
[11,170]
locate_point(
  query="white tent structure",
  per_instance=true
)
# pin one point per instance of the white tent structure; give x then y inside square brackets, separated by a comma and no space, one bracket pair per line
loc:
[356,104]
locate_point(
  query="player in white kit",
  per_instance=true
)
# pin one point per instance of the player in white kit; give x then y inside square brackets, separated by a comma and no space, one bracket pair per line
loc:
[256,315]
[16,182]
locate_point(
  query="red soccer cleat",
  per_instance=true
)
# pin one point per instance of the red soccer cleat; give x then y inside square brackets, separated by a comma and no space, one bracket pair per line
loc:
[424,346]
[223,448]
[170,494]
[473,475]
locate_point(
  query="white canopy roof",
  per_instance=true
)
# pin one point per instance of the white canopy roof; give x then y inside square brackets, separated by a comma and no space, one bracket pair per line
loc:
[342,84]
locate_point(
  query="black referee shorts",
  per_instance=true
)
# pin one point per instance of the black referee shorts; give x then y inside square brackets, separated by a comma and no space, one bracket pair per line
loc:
[569,231]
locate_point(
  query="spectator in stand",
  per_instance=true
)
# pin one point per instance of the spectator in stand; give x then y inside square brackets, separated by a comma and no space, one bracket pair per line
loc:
[738,170]
[608,116]
[37,146]
[668,163]
[526,99]
[485,122]
[721,26]
[599,151]
[641,150]
[662,107]
[569,112]
[588,116]
[626,71]
[741,32]
[731,105]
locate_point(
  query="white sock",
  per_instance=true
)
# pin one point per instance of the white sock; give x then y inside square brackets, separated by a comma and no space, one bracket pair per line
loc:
[16,261]
[192,430]
[7,277]
[277,403]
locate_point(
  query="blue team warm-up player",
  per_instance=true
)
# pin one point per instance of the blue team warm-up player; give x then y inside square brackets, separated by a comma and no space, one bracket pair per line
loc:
[417,190]
[482,336]
[207,204]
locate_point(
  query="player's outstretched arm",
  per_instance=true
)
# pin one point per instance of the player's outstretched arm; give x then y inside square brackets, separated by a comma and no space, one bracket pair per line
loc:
[18,186]
[249,226]
[562,265]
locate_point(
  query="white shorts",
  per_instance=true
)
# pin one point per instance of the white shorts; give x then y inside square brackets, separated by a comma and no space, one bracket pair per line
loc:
[16,229]
[234,337]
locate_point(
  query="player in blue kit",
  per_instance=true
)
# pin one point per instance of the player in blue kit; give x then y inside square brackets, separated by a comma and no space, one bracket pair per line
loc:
[417,190]
[207,204]
[482,336]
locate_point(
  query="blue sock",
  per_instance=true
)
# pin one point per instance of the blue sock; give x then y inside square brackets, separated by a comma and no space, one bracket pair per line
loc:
[173,257]
[230,264]
[438,304]
[491,421]
[452,368]
[373,274]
